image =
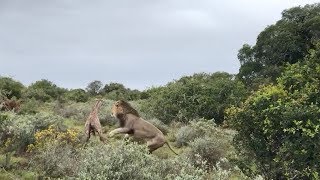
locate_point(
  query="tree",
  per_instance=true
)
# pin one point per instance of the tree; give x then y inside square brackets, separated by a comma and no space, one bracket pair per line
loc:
[113,87]
[287,41]
[116,91]
[278,126]
[94,87]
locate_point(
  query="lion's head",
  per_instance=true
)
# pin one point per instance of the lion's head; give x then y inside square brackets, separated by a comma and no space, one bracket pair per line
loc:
[121,107]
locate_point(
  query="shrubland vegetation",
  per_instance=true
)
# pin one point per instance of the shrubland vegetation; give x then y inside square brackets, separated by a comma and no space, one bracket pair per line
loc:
[197,96]
[263,122]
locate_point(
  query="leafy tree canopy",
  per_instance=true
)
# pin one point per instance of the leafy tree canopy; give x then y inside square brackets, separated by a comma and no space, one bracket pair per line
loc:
[287,41]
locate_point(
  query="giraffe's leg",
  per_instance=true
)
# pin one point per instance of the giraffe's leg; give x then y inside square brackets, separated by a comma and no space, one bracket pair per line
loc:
[98,128]
[88,132]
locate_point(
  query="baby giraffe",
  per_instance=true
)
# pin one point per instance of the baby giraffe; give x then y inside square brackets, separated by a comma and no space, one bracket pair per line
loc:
[93,123]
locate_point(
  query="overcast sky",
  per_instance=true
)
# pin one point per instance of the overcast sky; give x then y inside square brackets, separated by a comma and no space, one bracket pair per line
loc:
[140,43]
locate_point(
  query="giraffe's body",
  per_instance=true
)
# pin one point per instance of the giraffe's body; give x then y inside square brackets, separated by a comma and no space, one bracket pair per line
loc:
[93,123]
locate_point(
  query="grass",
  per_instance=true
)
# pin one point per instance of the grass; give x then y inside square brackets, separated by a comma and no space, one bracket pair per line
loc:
[16,170]
[71,123]
[17,175]
[15,161]
[164,152]
[5,175]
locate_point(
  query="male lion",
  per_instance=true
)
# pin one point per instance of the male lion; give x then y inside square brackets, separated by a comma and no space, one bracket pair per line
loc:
[133,125]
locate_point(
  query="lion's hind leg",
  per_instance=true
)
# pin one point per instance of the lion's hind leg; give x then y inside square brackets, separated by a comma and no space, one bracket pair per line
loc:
[155,143]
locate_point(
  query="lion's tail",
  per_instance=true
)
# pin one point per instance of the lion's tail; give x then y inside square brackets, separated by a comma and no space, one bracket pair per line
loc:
[170,148]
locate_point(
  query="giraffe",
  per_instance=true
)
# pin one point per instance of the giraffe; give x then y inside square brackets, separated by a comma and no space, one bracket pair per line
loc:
[93,123]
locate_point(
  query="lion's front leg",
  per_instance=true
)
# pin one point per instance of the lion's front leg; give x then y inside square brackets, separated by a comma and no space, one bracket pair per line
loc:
[126,136]
[119,130]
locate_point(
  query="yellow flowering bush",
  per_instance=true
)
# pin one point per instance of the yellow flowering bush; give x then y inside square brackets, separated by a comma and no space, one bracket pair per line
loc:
[53,135]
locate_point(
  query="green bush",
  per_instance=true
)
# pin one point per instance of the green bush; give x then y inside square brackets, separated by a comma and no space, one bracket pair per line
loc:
[29,106]
[278,126]
[10,88]
[55,161]
[37,94]
[117,161]
[117,91]
[196,129]
[69,110]
[77,95]
[17,131]
[55,152]
[44,90]
[17,174]
[4,127]
[198,96]
[209,150]
[116,95]
[132,161]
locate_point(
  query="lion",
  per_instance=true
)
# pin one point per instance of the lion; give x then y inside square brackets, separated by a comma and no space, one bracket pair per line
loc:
[133,125]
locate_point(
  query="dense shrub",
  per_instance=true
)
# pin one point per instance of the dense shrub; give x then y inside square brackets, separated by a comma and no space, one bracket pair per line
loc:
[195,129]
[4,124]
[198,96]
[117,161]
[30,106]
[126,94]
[10,104]
[55,161]
[18,130]
[116,95]
[77,95]
[223,170]
[68,110]
[54,135]
[116,91]
[44,90]
[38,94]
[278,125]
[54,152]
[213,155]
[209,150]
[132,161]
[10,88]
